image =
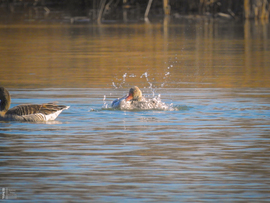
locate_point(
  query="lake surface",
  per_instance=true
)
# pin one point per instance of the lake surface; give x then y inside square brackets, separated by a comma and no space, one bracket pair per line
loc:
[212,145]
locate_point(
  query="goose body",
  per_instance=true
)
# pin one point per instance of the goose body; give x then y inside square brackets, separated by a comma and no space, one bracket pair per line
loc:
[27,112]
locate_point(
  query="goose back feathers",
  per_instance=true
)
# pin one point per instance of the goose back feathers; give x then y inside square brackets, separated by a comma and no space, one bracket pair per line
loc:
[27,112]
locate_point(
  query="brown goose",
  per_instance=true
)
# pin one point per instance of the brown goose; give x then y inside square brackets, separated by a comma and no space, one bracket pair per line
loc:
[135,94]
[27,112]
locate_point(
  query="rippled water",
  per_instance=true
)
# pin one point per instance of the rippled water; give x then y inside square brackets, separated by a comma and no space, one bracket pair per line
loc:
[214,147]
[211,144]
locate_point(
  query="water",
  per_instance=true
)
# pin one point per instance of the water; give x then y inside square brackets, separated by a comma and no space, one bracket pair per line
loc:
[211,145]
[216,146]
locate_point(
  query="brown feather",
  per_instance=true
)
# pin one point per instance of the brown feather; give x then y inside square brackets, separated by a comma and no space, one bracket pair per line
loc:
[27,109]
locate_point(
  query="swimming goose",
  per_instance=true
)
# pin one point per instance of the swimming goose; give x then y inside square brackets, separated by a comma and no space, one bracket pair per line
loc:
[27,112]
[134,94]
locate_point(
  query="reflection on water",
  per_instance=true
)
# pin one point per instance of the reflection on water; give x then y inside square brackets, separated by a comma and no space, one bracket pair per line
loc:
[216,148]
[178,54]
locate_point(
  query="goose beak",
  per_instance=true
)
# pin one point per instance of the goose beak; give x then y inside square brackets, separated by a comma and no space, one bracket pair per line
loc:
[129,97]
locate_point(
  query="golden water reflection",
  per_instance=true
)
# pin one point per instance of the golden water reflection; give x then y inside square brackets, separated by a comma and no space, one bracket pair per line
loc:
[174,54]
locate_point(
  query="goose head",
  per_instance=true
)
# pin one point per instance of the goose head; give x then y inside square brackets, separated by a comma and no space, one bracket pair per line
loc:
[134,94]
[5,100]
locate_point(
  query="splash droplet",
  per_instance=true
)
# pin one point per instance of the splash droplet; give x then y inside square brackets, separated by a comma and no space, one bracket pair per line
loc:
[114,85]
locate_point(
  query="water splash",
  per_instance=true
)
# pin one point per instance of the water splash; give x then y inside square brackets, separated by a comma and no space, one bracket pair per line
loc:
[124,78]
[123,81]
[166,75]
[114,85]
[154,103]
[147,80]
[132,75]
[105,105]
[145,75]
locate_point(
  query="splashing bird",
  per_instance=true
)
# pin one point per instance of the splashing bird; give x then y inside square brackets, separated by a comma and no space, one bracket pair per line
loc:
[135,94]
[27,112]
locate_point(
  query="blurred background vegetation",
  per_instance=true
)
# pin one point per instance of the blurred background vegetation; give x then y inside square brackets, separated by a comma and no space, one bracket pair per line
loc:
[98,10]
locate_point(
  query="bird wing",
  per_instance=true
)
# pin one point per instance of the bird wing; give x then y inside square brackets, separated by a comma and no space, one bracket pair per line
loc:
[28,109]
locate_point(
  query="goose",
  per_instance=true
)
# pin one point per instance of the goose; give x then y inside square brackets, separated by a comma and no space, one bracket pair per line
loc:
[135,94]
[27,112]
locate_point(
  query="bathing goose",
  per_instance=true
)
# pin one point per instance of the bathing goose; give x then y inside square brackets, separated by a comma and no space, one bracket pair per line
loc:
[27,112]
[134,95]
